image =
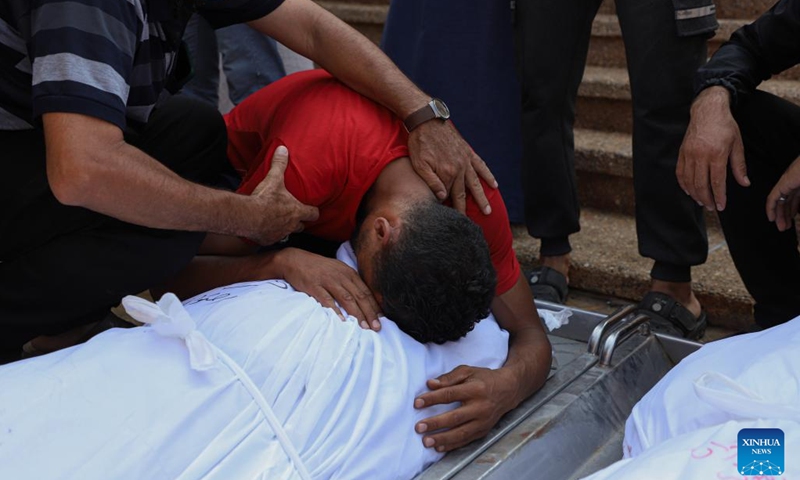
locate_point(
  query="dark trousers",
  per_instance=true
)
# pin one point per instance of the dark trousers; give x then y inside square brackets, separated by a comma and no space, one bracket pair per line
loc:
[767,260]
[65,266]
[553,38]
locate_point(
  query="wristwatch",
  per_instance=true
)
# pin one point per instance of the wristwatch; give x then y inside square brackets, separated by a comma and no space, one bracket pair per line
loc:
[434,109]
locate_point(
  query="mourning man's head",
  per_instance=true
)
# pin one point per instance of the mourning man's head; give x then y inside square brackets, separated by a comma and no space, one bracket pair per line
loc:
[429,267]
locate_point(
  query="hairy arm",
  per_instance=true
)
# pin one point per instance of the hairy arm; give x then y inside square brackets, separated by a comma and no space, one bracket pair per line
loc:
[486,395]
[529,355]
[313,32]
[90,165]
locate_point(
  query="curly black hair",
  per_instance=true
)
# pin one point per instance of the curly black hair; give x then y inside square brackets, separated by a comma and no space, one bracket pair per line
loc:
[437,279]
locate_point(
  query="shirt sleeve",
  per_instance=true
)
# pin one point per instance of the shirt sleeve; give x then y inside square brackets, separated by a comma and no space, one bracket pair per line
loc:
[755,52]
[224,13]
[82,57]
[497,232]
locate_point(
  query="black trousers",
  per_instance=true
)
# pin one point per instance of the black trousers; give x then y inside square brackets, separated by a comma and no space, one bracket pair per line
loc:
[553,38]
[767,260]
[64,266]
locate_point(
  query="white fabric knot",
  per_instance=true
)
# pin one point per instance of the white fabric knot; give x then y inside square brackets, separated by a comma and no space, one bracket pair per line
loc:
[169,319]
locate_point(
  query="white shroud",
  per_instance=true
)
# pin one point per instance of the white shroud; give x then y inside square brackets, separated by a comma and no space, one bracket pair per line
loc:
[271,385]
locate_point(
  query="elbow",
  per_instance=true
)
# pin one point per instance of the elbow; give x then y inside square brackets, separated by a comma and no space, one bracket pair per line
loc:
[70,180]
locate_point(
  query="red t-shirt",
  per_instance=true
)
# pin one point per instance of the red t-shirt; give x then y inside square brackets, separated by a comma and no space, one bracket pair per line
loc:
[339,142]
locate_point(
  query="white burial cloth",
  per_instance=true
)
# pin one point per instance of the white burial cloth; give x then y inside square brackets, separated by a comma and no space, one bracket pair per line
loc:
[753,376]
[269,385]
[686,426]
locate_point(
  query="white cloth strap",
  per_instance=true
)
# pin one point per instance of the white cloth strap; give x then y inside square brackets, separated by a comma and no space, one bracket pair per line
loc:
[274,423]
[169,318]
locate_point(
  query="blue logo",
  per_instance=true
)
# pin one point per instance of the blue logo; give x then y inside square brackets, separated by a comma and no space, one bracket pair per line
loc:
[760,451]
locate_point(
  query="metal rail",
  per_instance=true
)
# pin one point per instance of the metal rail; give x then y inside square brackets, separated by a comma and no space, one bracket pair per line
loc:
[605,325]
[625,330]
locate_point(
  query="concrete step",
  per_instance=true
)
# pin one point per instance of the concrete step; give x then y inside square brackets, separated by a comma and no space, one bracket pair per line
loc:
[606,48]
[604,98]
[742,8]
[606,153]
[605,261]
[725,8]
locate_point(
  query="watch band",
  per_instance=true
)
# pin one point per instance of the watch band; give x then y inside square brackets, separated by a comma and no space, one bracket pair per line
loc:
[419,117]
[428,112]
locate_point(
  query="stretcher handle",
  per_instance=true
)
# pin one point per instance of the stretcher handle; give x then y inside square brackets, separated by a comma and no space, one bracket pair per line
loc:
[640,323]
[605,325]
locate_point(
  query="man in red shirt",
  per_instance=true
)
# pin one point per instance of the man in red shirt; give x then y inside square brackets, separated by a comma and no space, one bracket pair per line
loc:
[350,155]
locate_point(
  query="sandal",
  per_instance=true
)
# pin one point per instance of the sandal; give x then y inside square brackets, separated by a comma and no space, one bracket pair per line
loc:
[548,284]
[668,316]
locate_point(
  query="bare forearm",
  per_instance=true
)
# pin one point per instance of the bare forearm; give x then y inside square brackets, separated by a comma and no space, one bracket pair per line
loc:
[529,353]
[369,71]
[130,185]
[711,100]
[529,358]
[89,165]
[352,58]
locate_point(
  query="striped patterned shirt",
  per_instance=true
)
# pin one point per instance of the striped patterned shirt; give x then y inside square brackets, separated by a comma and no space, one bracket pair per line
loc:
[110,59]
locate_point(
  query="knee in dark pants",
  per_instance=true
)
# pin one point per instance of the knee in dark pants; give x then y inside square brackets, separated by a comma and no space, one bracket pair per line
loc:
[768,125]
[767,260]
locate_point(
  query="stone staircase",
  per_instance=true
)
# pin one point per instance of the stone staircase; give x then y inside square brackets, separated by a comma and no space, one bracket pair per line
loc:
[605,256]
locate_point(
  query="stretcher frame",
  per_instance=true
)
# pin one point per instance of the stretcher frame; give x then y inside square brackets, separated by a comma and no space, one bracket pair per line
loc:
[574,425]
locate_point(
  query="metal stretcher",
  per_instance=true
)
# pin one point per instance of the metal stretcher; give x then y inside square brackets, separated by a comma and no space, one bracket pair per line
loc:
[574,425]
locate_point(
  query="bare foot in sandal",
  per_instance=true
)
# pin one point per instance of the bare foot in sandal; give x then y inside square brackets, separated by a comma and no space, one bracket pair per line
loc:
[559,263]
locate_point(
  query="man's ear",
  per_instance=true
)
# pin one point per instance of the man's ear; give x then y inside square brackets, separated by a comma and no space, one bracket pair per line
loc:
[384,230]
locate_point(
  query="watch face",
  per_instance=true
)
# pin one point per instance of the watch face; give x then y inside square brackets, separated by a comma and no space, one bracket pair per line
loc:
[440,108]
